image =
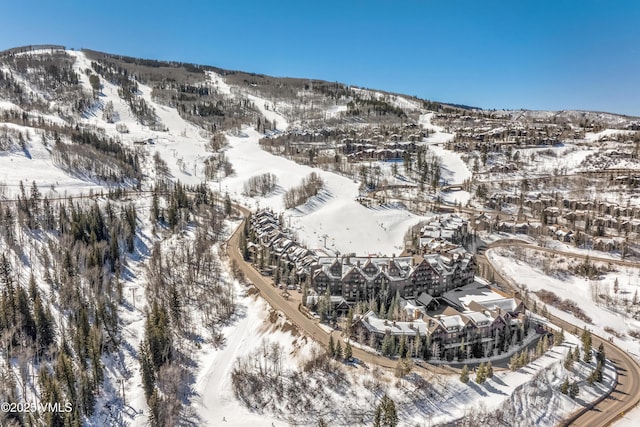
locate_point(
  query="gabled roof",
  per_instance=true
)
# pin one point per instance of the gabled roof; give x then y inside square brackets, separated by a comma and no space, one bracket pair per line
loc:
[478,318]
[452,322]
[425,299]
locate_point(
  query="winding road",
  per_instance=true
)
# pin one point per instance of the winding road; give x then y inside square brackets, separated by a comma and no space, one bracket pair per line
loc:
[290,308]
[609,408]
[626,394]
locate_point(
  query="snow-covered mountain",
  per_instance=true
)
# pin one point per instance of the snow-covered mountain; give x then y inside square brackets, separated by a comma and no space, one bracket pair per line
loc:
[116,176]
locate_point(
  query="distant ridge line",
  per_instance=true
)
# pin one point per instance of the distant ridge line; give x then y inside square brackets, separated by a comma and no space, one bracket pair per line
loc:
[30,48]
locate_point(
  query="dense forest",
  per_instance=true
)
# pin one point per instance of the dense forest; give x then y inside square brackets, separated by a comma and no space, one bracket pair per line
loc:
[62,268]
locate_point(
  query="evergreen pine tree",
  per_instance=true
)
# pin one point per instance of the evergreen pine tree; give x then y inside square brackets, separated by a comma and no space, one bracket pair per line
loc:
[481,374]
[349,322]
[489,370]
[586,345]
[386,414]
[227,204]
[464,374]
[348,352]
[574,390]
[564,387]
[155,206]
[33,288]
[147,371]
[598,371]
[388,344]
[377,418]
[45,334]
[402,347]
[24,320]
[600,355]
[332,347]
[568,361]
[382,311]
[390,413]
[417,344]
[338,353]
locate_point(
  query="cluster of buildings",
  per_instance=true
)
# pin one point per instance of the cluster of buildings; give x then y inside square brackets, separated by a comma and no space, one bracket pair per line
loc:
[388,150]
[363,278]
[438,298]
[602,225]
[472,133]
[541,202]
[278,243]
[478,321]
[452,228]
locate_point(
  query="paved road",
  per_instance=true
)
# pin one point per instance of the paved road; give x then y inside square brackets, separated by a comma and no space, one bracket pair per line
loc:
[626,395]
[308,326]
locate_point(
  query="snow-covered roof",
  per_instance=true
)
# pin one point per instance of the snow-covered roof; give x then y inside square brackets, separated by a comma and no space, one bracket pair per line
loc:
[452,322]
[478,318]
[476,292]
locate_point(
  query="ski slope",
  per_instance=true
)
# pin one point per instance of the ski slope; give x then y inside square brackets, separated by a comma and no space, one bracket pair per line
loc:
[350,227]
[333,220]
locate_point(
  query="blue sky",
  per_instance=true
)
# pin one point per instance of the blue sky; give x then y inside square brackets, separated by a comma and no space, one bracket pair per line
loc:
[491,54]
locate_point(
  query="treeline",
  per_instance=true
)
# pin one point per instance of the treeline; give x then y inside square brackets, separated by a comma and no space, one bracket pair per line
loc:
[365,106]
[310,186]
[260,184]
[188,299]
[177,85]
[120,61]
[99,158]
[332,90]
[64,320]
[129,91]
[43,81]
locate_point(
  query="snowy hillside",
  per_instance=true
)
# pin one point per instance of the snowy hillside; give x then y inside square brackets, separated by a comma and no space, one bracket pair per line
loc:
[117,183]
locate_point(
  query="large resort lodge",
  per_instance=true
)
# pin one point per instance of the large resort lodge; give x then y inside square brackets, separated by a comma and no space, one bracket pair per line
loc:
[361,278]
[478,321]
[472,314]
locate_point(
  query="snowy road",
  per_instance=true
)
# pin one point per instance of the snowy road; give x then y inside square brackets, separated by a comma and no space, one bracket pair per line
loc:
[626,395]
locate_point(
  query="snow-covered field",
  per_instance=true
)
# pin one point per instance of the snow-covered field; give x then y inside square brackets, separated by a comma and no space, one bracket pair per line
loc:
[454,170]
[215,402]
[580,290]
[334,213]
[34,164]
[437,137]
[349,226]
